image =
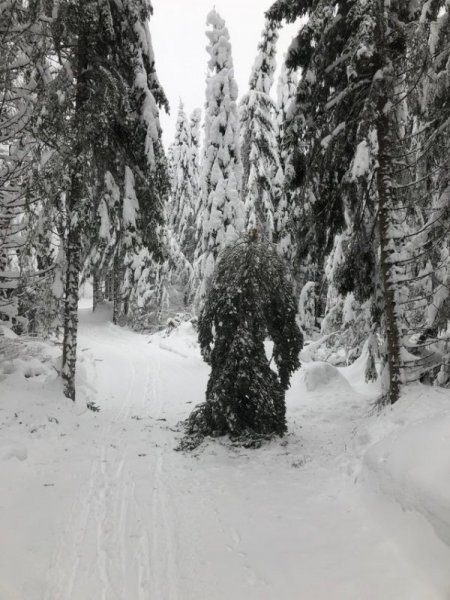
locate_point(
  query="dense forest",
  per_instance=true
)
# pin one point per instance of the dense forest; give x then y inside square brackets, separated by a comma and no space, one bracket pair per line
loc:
[344,173]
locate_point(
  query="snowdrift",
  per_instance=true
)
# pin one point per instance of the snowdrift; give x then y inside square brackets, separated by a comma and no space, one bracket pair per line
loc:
[405,480]
[320,374]
[413,467]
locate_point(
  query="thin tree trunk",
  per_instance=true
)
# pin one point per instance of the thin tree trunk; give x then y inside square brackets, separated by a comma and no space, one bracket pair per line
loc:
[108,291]
[116,289]
[97,295]
[74,206]
[71,312]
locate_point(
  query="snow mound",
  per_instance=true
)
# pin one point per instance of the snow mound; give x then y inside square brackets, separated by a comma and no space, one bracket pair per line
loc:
[7,332]
[319,374]
[33,361]
[180,340]
[413,467]
[12,449]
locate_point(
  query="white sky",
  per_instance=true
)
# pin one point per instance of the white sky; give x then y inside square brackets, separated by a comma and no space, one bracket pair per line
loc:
[179,41]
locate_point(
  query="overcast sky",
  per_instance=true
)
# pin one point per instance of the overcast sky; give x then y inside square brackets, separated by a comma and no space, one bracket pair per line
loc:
[179,41]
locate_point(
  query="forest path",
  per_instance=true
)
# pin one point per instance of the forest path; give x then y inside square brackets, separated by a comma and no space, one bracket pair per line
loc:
[128,518]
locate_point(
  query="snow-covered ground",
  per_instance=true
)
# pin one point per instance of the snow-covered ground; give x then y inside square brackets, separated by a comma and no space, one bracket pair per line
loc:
[98,505]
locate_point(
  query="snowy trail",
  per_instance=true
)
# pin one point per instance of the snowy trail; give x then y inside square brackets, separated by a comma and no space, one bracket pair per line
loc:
[128,518]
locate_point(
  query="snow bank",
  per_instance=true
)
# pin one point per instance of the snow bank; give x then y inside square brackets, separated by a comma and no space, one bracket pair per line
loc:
[33,361]
[321,374]
[413,466]
[405,479]
[12,449]
[180,340]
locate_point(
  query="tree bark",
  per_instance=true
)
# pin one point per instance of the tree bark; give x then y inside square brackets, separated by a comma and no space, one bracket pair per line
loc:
[385,199]
[74,209]
[71,311]
[386,203]
[97,294]
[116,289]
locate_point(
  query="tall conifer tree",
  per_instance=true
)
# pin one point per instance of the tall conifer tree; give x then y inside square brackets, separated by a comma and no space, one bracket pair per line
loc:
[259,148]
[221,212]
[351,55]
[104,97]
[184,190]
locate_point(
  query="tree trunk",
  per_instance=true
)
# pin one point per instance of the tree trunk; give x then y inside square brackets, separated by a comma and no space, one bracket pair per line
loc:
[108,286]
[71,311]
[386,201]
[97,295]
[116,289]
[387,266]
[74,209]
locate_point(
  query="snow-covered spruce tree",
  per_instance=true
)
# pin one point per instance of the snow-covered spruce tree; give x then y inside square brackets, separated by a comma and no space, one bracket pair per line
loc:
[250,298]
[137,166]
[347,320]
[184,189]
[23,51]
[195,123]
[99,110]
[286,93]
[259,148]
[352,56]
[156,286]
[286,211]
[221,212]
[427,274]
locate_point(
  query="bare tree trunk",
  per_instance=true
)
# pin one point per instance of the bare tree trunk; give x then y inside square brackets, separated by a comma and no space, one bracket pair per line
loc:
[97,295]
[386,202]
[71,311]
[74,207]
[116,289]
[108,287]
[384,184]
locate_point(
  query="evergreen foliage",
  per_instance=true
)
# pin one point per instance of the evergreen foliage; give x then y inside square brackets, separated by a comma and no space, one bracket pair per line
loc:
[307,308]
[185,182]
[83,142]
[250,298]
[24,227]
[287,209]
[112,89]
[259,148]
[356,114]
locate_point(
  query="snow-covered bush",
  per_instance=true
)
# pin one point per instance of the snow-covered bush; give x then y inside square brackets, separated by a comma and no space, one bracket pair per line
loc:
[250,297]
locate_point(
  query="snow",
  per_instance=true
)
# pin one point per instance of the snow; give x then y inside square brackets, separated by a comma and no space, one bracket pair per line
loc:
[130,201]
[361,162]
[439,297]
[413,466]
[406,478]
[99,505]
[221,164]
[320,374]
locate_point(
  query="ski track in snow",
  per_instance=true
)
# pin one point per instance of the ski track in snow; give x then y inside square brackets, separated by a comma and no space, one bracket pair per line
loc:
[110,503]
[137,521]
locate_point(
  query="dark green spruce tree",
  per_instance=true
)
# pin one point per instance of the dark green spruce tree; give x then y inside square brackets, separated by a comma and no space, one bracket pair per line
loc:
[348,112]
[99,111]
[250,299]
